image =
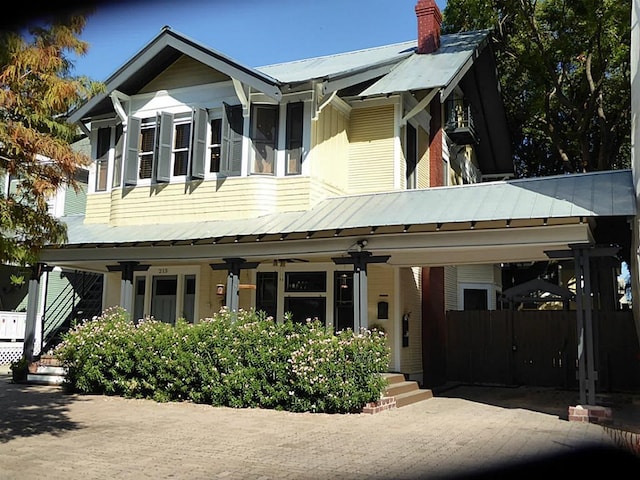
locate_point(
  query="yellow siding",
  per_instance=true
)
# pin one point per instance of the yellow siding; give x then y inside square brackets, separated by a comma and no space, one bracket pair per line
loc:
[371,153]
[411,303]
[184,72]
[330,148]
[233,198]
[112,286]
[98,208]
[380,284]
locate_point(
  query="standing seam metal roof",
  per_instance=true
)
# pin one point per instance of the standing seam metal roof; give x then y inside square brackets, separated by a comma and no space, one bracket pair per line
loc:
[580,195]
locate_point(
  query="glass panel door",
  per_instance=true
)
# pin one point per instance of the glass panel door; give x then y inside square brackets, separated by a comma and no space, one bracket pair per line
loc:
[163,298]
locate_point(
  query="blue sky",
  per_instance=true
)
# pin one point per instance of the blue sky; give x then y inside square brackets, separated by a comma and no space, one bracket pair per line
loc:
[253,32]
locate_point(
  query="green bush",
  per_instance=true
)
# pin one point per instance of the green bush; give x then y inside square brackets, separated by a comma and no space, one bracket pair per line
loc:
[233,359]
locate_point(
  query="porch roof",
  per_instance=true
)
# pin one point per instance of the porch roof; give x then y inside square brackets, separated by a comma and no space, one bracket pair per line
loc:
[476,206]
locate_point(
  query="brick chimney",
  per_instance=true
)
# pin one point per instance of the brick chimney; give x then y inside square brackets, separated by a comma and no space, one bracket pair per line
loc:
[429,21]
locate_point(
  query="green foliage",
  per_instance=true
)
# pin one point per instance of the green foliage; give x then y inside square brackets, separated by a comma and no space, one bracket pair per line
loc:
[564,70]
[36,93]
[236,360]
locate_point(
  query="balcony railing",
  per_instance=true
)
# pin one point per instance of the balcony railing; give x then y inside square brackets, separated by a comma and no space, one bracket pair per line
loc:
[459,122]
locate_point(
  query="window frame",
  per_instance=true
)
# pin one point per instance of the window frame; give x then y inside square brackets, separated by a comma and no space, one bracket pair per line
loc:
[256,142]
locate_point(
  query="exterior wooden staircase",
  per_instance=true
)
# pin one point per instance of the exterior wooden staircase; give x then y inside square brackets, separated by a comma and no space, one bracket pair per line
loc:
[399,393]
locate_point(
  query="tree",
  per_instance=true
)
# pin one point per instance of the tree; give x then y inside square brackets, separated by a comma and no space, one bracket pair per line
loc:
[36,91]
[564,69]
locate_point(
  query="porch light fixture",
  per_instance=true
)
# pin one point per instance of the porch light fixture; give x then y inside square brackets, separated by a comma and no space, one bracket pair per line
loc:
[544,221]
[406,228]
[343,281]
[220,289]
[473,225]
[337,232]
[373,229]
[438,227]
[508,223]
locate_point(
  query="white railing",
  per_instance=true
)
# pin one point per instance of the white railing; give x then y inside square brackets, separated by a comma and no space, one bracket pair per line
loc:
[12,326]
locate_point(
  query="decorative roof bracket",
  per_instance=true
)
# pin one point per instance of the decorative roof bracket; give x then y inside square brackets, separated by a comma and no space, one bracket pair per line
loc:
[242,95]
[419,107]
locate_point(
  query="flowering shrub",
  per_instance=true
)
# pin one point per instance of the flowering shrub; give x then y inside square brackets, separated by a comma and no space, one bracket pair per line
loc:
[241,359]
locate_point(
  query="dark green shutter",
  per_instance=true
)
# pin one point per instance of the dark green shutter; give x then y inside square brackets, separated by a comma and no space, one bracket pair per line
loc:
[131,157]
[163,155]
[199,143]
[235,121]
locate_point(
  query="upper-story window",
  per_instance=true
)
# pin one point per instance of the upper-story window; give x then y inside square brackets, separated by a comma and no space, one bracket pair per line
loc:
[203,143]
[166,146]
[264,138]
[146,151]
[102,158]
[181,143]
[225,144]
[294,136]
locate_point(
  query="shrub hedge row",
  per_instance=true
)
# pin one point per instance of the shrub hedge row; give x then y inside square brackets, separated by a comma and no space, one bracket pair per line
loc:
[238,359]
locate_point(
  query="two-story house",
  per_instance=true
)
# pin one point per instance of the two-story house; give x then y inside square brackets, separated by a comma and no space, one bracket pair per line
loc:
[349,188]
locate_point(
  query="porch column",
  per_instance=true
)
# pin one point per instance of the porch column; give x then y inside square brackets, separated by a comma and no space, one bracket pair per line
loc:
[587,341]
[233,266]
[126,284]
[360,260]
[33,305]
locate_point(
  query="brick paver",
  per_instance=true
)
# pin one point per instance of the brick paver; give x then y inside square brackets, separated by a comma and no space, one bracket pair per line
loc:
[47,434]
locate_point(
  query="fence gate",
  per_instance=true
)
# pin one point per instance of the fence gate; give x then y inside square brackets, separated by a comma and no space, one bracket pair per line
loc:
[538,348]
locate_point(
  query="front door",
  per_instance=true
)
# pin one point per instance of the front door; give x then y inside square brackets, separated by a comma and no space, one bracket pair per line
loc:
[163,298]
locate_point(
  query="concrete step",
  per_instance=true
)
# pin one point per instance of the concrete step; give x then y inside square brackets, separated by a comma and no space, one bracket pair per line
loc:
[413,396]
[393,377]
[405,392]
[47,371]
[45,379]
[397,388]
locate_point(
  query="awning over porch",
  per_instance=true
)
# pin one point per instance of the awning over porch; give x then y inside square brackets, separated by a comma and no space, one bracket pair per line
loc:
[550,212]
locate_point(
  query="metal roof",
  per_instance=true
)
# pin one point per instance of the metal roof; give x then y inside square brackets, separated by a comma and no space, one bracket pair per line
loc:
[408,70]
[580,195]
[339,64]
[434,70]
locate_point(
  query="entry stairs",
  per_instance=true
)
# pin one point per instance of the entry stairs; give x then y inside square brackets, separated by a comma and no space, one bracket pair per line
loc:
[46,371]
[399,393]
